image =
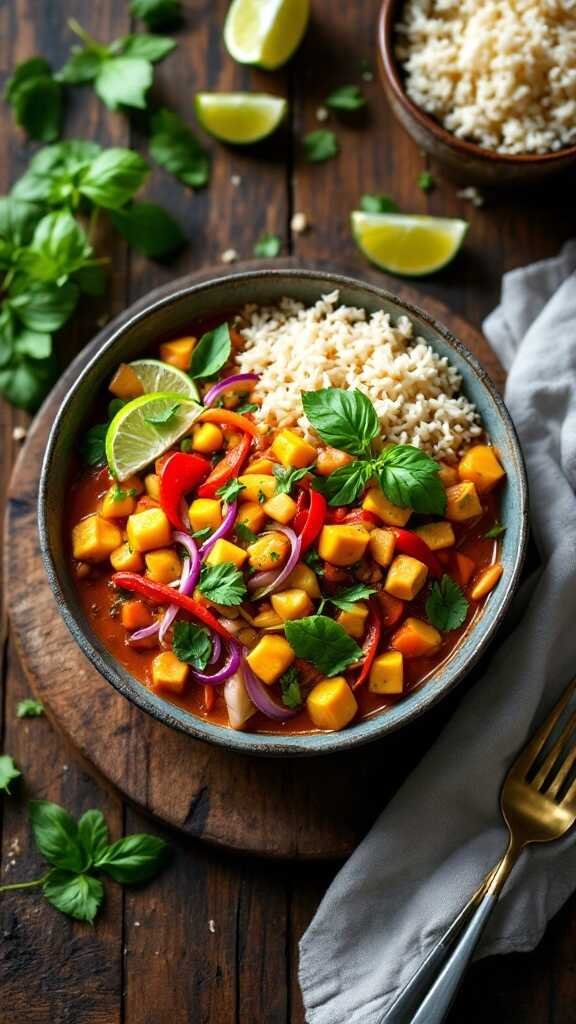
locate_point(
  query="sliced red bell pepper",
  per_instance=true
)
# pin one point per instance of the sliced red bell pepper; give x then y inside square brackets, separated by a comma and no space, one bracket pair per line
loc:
[159,593]
[309,521]
[227,468]
[370,645]
[229,419]
[179,475]
[408,543]
[358,517]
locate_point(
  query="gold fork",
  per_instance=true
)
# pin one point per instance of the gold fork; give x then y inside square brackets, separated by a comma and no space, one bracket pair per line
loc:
[538,803]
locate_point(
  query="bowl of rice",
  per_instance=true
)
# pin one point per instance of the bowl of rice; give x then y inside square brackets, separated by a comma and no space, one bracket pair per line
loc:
[487,87]
[304,330]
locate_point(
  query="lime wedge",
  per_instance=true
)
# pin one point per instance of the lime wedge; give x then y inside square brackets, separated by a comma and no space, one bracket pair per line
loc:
[265,32]
[239,117]
[158,376]
[407,244]
[145,427]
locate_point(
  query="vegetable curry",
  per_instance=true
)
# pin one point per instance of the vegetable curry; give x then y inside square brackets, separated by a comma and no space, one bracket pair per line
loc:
[264,578]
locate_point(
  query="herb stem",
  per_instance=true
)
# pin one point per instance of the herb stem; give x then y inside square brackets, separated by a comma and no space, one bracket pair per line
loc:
[24,885]
[87,39]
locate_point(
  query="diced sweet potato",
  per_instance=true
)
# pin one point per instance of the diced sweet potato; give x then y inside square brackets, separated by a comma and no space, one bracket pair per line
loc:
[163,565]
[392,515]
[416,639]
[125,560]
[94,539]
[270,658]
[343,545]
[406,577]
[354,620]
[482,467]
[225,551]
[152,484]
[207,438]
[178,353]
[437,535]
[135,615]
[148,530]
[387,673]
[269,552]
[462,502]
[251,514]
[466,568]
[331,704]
[292,604]
[125,383]
[331,459]
[261,466]
[292,450]
[118,503]
[258,487]
[382,544]
[281,507]
[205,512]
[168,673]
[303,577]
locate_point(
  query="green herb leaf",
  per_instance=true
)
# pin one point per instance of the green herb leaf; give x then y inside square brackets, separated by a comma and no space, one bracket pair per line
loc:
[113,178]
[409,478]
[323,642]
[36,99]
[158,14]
[81,67]
[150,47]
[426,181]
[192,644]
[212,352]
[77,895]
[347,97]
[26,382]
[287,478]
[290,686]
[56,835]
[124,82]
[319,146]
[267,246]
[230,491]
[8,772]
[378,204]
[347,598]
[18,219]
[223,584]
[202,534]
[42,306]
[495,531]
[344,485]
[344,419]
[245,534]
[134,859]
[174,146]
[29,708]
[313,560]
[93,445]
[54,173]
[119,494]
[93,834]
[149,228]
[249,407]
[58,249]
[446,606]
[161,416]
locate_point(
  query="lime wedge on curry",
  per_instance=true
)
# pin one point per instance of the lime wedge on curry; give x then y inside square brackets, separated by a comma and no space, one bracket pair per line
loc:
[158,376]
[408,244]
[145,427]
[265,32]
[239,117]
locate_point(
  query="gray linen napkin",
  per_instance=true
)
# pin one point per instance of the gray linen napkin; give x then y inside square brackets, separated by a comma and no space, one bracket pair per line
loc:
[442,831]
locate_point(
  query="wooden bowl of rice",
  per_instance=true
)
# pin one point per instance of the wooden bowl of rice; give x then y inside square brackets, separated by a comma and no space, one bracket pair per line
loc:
[491,98]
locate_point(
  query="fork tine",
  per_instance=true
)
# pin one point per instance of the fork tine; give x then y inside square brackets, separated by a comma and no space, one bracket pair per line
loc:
[548,764]
[562,774]
[530,753]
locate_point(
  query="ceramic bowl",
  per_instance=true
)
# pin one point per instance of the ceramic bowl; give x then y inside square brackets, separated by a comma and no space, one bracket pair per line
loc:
[172,314]
[465,161]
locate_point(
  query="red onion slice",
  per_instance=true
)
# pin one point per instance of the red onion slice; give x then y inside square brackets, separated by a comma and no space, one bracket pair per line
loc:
[263,579]
[143,634]
[229,382]
[216,649]
[260,697]
[221,674]
[188,579]
[223,529]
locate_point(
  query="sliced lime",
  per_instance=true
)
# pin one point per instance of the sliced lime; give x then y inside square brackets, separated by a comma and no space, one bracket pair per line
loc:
[239,117]
[158,376]
[145,427]
[408,244]
[265,32]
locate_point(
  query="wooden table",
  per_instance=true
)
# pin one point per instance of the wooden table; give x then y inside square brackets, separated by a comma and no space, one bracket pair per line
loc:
[214,939]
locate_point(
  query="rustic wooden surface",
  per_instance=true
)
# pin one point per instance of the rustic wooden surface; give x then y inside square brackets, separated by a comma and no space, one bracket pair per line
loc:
[152,955]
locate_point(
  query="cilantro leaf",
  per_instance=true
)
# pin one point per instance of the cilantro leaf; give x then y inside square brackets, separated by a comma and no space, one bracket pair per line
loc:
[426,181]
[344,485]
[192,644]
[113,178]
[77,895]
[174,146]
[29,708]
[347,598]
[133,859]
[495,531]
[287,478]
[410,478]
[158,14]
[344,419]
[212,352]
[223,584]
[446,606]
[81,67]
[56,835]
[119,494]
[319,146]
[323,642]
[161,415]
[290,686]
[347,97]
[230,491]
[378,204]
[36,99]
[267,246]
[244,533]
[8,772]
[149,228]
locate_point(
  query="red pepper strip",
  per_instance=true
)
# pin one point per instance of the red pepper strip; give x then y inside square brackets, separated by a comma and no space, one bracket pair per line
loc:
[228,467]
[315,519]
[229,419]
[180,474]
[301,515]
[370,645]
[408,543]
[359,517]
[159,593]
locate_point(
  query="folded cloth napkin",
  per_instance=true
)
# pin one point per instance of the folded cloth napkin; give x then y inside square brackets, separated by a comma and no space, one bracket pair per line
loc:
[442,831]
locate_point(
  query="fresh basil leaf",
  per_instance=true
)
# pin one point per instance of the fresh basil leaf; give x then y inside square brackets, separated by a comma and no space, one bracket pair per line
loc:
[174,146]
[161,416]
[8,772]
[446,606]
[344,419]
[426,181]
[347,97]
[93,834]
[77,895]
[230,491]
[134,859]
[323,642]
[409,478]
[344,485]
[245,534]
[346,599]
[378,204]
[319,146]
[192,644]
[40,306]
[33,344]
[124,82]
[36,99]
[35,67]
[495,531]
[212,352]
[25,382]
[56,835]
[53,174]
[93,445]
[18,220]
[113,178]
[81,67]
[290,687]
[149,228]
[158,14]
[150,47]
[286,479]
[58,249]
[223,584]
[29,708]
[267,246]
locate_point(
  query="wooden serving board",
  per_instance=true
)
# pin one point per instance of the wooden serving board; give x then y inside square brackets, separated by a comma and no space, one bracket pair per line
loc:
[307,809]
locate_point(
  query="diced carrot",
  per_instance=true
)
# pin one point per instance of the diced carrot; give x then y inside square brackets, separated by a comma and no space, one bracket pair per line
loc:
[466,568]
[486,580]
[391,609]
[416,639]
[125,383]
[135,615]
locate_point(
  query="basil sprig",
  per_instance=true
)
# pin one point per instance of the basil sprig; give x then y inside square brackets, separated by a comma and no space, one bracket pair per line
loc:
[344,419]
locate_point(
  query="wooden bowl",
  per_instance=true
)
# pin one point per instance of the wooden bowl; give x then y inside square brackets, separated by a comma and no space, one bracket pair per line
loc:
[465,161]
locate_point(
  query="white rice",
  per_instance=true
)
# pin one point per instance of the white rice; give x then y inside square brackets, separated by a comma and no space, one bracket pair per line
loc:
[414,390]
[501,73]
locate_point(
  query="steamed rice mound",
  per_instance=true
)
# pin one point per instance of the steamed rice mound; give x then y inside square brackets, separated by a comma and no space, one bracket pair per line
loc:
[414,390]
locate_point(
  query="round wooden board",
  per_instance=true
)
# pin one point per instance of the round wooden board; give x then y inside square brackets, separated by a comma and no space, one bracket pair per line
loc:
[307,809]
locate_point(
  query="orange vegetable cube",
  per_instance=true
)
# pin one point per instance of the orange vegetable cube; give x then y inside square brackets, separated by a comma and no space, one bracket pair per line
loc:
[406,577]
[330,459]
[252,515]
[354,620]
[462,502]
[343,545]
[207,438]
[266,618]
[118,503]
[292,604]
[448,474]
[387,673]
[125,560]
[486,581]
[168,673]
[94,539]
[270,658]
[261,466]
[303,577]
[178,353]
[437,535]
[135,615]
[281,507]
[163,565]
[331,704]
[257,487]
[205,512]
[416,639]
[225,551]
[148,530]
[482,467]
[270,551]
[466,568]
[392,515]
[382,544]
[152,484]
[125,383]
[292,450]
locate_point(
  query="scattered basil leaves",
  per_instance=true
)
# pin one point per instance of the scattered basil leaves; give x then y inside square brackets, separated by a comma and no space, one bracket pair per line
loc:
[319,146]
[174,146]
[211,353]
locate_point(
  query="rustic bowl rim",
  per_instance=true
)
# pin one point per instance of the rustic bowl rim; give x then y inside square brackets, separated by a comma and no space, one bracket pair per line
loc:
[307,744]
[390,73]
